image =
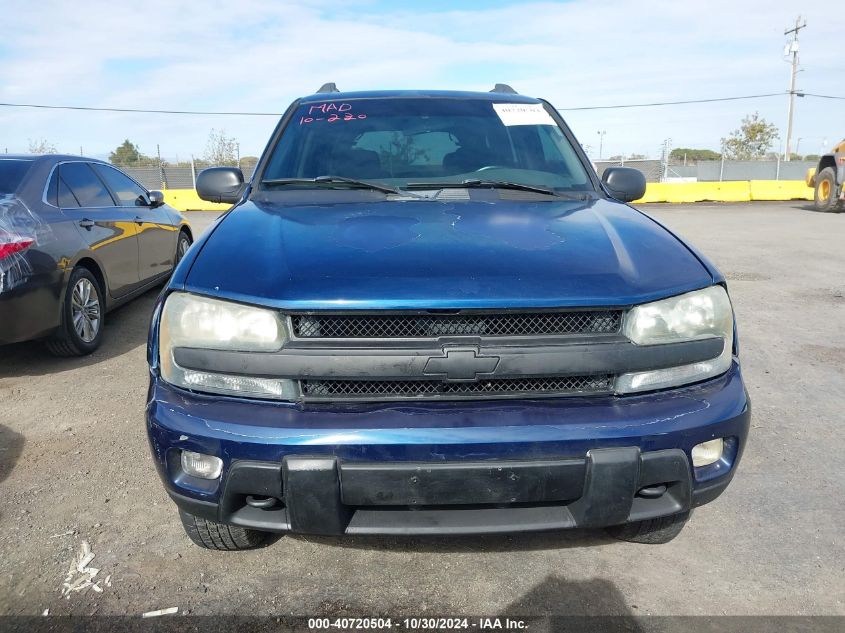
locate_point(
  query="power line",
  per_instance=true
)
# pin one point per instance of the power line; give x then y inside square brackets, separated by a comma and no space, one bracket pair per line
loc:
[276,114]
[136,110]
[810,94]
[666,103]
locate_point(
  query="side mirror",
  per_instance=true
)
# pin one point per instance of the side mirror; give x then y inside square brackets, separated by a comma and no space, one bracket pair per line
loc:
[220,184]
[156,199]
[624,183]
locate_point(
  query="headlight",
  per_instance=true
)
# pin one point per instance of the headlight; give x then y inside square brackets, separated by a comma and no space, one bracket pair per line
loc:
[189,320]
[701,314]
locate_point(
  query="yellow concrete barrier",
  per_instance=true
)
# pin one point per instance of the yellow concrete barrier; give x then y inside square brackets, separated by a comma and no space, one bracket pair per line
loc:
[188,200]
[780,190]
[738,191]
[728,191]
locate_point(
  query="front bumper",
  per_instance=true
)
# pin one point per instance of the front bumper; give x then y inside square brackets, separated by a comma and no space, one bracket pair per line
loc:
[447,468]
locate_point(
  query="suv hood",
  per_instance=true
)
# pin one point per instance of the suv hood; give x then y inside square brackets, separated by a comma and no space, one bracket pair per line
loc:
[441,255]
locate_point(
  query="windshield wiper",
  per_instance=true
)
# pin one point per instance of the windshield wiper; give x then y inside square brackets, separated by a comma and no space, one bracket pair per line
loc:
[483,184]
[331,180]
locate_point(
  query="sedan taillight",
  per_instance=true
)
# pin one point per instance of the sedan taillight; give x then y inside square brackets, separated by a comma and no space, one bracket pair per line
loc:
[9,245]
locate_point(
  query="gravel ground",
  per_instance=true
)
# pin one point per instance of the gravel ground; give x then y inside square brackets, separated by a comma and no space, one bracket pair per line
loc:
[75,466]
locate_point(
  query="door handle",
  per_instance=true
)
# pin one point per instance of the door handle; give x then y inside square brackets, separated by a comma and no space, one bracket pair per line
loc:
[85,223]
[139,219]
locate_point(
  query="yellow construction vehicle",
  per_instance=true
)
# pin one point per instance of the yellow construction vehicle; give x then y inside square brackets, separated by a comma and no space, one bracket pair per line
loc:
[828,179]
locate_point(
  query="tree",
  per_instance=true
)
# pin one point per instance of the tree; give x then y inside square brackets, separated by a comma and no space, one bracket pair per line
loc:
[127,154]
[621,157]
[400,152]
[752,140]
[41,146]
[693,155]
[221,149]
[812,157]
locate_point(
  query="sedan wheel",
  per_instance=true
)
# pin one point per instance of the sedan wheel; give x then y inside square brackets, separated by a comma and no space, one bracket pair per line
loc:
[85,310]
[182,246]
[83,316]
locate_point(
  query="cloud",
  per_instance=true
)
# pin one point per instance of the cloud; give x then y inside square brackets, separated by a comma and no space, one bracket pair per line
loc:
[180,55]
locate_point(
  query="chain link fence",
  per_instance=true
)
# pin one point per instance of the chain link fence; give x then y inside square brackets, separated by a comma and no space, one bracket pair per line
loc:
[716,170]
[656,170]
[167,177]
[652,168]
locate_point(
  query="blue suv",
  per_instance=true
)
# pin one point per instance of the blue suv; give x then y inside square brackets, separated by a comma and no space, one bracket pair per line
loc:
[426,314]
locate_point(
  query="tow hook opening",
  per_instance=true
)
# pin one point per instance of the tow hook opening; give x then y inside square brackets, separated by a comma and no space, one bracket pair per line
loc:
[653,491]
[262,502]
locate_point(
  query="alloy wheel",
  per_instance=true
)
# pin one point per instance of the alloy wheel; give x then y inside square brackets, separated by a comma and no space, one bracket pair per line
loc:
[182,248]
[85,310]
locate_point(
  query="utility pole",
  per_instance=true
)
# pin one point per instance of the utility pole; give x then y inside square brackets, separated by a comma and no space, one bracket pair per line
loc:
[792,48]
[160,167]
[601,134]
[664,159]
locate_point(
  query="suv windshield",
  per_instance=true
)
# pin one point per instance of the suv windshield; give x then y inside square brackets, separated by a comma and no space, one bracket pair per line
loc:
[12,171]
[401,142]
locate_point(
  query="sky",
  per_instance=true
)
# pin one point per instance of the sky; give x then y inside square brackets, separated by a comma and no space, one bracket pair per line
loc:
[257,56]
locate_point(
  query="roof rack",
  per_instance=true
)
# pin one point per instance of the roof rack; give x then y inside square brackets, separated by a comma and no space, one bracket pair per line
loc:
[329,87]
[505,88]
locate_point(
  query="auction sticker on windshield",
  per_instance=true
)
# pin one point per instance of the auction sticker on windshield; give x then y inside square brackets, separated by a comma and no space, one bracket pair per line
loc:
[523,114]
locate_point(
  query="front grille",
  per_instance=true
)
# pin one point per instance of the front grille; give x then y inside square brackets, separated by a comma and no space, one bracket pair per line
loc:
[434,325]
[386,389]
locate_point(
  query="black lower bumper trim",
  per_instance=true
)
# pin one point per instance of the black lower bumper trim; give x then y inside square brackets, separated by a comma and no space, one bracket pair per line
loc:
[469,521]
[322,495]
[463,483]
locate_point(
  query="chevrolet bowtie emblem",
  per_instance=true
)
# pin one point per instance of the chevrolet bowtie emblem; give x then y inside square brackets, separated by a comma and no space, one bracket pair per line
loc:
[460,364]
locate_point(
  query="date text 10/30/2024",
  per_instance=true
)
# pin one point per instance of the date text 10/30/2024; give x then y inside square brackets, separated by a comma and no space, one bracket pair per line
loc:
[419,623]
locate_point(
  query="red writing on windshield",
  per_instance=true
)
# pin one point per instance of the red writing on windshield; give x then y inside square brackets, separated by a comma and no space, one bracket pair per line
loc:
[330,112]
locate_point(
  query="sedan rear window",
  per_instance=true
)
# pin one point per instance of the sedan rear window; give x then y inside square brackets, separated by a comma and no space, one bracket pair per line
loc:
[84,185]
[12,172]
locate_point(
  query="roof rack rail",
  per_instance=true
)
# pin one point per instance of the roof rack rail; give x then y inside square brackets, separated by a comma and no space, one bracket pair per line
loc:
[329,87]
[504,88]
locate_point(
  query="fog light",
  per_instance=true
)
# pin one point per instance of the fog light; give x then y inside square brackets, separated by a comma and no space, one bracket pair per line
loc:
[202,466]
[707,453]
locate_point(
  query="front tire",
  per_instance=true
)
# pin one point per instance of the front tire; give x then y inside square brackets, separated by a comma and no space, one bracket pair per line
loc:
[182,245]
[826,198]
[217,536]
[83,312]
[651,531]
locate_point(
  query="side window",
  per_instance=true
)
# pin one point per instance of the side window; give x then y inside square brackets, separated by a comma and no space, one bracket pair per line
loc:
[85,186]
[53,189]
[66,198]
[128,192]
